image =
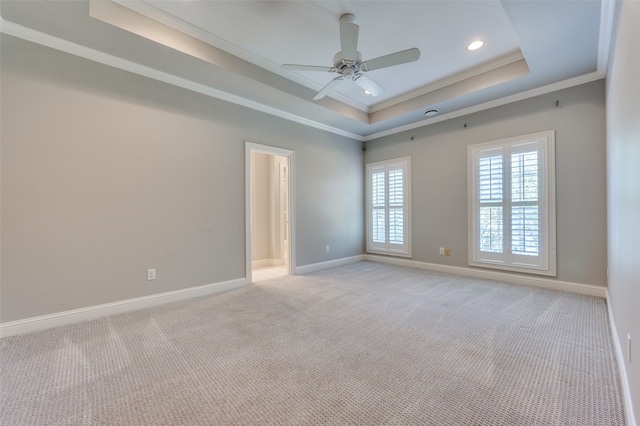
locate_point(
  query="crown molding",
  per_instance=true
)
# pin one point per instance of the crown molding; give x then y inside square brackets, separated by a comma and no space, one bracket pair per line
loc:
[607,22]
[47,40]
[607,17]
[451,80]
[571,82]
[169,20]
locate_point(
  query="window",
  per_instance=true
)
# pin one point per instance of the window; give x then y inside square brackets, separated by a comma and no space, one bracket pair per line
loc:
[512,204]
[388,212]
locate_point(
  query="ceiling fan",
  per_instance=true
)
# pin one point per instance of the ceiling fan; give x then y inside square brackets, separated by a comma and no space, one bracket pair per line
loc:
[348,63]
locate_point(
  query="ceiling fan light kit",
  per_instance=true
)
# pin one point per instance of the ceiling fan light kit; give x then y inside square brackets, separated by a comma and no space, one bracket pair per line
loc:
[348,63]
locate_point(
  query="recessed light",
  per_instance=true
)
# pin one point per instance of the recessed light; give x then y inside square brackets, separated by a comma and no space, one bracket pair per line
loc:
[431,112]
[475,45]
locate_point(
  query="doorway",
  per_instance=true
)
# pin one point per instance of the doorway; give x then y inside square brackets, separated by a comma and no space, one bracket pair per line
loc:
[269,214]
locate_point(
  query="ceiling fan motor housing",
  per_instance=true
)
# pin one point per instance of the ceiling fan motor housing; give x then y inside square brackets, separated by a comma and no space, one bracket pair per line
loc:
[346,68]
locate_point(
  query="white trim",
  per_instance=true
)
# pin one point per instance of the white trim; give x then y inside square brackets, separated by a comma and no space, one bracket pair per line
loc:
[546,261]
[571,287]
[195,32]
[553,87]
[29,34]
[92,312]
[43,39]
[385,248]
[47,40]
[622,362]
[268,149]
[271,150]
[306,269]
[607,16]
[483,68]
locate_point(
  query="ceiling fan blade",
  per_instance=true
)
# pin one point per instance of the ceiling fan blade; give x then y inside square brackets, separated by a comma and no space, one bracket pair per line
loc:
[369,86]
[307,67]
[349,37]
[392,59]
[329,87]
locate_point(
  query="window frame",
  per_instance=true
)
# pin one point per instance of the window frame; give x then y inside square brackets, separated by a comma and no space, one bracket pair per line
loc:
[546,264]
[387,248]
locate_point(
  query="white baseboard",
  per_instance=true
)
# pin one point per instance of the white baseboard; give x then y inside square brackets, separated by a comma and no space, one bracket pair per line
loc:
[626,390]
[92,312]
[586,289]
[328,264]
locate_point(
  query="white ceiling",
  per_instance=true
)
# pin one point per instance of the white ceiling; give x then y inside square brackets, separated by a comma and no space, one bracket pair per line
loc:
[233,50]
[307,32]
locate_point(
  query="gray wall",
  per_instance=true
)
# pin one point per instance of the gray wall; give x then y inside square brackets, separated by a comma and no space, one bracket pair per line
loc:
[623,187]
[105,174]
[439,176]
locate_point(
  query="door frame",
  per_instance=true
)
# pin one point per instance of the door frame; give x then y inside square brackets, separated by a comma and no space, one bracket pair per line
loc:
[290,155]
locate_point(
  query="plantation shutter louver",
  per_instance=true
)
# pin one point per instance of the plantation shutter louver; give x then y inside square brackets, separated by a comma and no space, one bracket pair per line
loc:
[378,197]
[387,195]
[490,178]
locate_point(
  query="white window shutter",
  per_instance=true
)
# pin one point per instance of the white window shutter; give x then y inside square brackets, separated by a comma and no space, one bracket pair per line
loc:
[511,204]
[388,219]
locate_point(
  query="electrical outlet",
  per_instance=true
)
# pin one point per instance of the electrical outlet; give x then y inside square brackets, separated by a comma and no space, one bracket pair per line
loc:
[629,348]
[441,251]
[447,252]
[326,249]
[151,274]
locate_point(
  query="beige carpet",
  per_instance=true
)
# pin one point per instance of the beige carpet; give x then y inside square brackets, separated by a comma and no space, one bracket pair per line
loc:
[363,344]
